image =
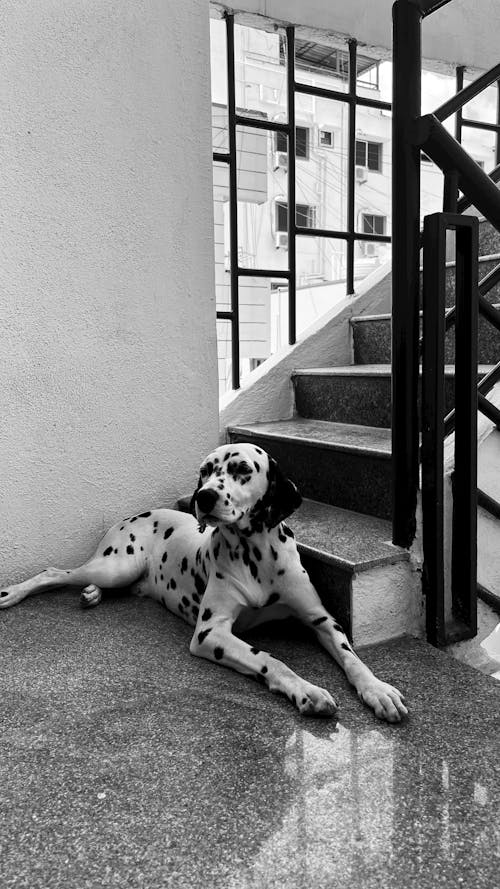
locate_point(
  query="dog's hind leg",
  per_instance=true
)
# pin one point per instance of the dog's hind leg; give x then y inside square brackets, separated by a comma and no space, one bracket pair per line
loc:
[100,572]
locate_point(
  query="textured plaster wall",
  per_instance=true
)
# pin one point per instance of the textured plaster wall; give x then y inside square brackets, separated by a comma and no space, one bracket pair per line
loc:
[108,375]
[462,32]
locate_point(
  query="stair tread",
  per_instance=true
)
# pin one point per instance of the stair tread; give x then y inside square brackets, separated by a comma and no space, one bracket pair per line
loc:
[372,440]
[351,540]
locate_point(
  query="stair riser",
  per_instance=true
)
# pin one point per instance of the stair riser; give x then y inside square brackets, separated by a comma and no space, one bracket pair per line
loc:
[351,399]
[333,586]
[372,343]
[360,482]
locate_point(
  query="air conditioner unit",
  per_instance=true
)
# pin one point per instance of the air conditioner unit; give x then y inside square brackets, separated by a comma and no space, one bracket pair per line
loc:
[281,240]
[361,175]
[371,248]
[280,160]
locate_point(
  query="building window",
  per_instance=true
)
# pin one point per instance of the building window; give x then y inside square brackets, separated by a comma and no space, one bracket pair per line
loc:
[326,138]
[305,216]
[369,154]
[373,225]
[301,142]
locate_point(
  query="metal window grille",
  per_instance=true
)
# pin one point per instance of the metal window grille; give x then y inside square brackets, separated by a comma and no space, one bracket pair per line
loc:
[298,223]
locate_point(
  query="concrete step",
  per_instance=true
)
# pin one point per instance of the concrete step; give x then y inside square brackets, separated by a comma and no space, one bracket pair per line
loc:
[342,464]
[358,394]
[372,340]
[348,555]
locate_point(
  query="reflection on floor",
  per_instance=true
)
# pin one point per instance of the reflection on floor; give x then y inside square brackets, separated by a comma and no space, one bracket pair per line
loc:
[128,763]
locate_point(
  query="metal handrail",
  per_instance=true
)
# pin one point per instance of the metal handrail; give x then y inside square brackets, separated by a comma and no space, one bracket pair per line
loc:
[467,94]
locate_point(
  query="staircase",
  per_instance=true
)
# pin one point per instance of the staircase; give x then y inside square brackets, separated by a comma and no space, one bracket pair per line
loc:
[337,448]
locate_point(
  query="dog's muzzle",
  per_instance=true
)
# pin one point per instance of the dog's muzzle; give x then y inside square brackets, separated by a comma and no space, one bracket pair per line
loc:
[205,499]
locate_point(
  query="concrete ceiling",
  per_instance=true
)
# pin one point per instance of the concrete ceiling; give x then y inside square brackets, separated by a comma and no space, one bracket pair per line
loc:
[461,33]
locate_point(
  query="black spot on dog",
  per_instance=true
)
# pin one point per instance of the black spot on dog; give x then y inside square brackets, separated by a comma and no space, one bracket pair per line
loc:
[256,466]
[288,531]
[173,585]
[294,700]
[161,576]
[304,701]
[185,601]
[336,626]
[319,620]
[164,558]
[184,565]
[199,584]
[132,537]
[259,451]
[195,610]
[264,669]
[257,553]
[167,533]
[253,569]
[227,456]
[134,518]
[219,575]
[216,550]
[272,599]
[346,646]
[108,551]
[145,515]
[196,598]
[281,572]
[207,614]
[121,529]
[255,650]
[281,536]
[218,653]
[274,553]
[130,550]
[203,634]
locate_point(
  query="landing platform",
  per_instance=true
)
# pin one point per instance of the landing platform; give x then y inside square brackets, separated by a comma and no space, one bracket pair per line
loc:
[128,763]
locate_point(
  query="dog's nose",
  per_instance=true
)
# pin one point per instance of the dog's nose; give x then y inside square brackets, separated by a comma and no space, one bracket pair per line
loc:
[206,500]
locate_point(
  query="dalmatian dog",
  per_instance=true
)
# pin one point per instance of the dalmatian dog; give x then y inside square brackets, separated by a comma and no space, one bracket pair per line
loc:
[228,567]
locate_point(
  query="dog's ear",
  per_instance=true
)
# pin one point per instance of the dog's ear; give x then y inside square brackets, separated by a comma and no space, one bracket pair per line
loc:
[193,498]
[282,497]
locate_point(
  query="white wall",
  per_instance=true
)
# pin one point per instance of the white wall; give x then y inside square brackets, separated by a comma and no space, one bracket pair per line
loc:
[108,367]
[462,32]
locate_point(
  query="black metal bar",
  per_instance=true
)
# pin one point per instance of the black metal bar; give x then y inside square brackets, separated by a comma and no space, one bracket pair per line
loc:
[341,235]
[260,123]
[488,409]
[450,191]
[221,158]
[291,196]
[405,268]
[351,165]
[223,315]
[488,597]
[458,118]
[434,284]
[480,125]
[489,380]
[464,544]
[488,503]
[233,204]
[464,203]
[497,140]
[468,93]
[445,151]
[263,273]
[338,96]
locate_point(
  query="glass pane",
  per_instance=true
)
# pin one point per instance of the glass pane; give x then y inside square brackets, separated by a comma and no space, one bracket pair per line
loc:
[320,62]
[224,355]
[483,107]
[260,72]
[218,66]
[321,277]
[368,256]
[221,248]
[480,144]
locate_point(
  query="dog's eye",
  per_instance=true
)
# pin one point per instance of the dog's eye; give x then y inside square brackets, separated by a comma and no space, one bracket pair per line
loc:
[206,470]
[244,469]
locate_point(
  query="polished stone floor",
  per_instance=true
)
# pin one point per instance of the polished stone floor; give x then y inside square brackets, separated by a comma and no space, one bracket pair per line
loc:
[128,763]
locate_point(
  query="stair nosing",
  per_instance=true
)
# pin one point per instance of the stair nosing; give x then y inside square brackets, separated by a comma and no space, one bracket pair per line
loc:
[314,442]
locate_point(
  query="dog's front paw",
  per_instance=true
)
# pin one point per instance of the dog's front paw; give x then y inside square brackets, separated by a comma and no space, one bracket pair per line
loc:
[385,700]
[314,701]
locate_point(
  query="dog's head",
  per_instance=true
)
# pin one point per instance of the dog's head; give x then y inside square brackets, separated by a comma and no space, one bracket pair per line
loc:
[241,485]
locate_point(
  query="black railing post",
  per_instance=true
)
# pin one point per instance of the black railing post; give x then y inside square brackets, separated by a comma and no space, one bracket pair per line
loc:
[434,285]
[464,550]
[291,197]
[233,205]
[405,267]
